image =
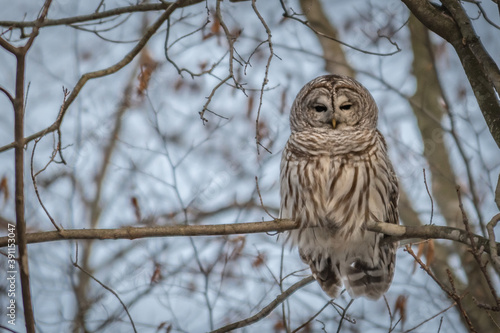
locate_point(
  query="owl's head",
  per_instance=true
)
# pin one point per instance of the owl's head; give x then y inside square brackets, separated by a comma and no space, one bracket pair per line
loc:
[333,102]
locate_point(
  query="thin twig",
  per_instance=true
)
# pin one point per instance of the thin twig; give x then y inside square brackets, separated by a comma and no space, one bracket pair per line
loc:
[54,153]
[451,293]
[391,316]
[319,33]
[481,9]
[312,318]
[166,47]
[260,198]
[209,99]
[7,329]
[33,179]
[9,96]
[110,290]
[266,75]
[430,197]
[426,269]
[267,309]
[495,259]
[429,319]
[230,41]
[286,323]
[458,299]
[343,316]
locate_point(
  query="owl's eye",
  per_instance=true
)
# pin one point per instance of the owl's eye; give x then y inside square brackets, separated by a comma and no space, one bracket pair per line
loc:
[320,108]
[346,107]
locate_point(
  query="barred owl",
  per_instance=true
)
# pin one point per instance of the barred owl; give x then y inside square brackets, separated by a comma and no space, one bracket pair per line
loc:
[335,176]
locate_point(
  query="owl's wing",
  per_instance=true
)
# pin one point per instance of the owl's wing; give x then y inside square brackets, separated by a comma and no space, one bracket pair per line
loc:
[372,276]
[392,209]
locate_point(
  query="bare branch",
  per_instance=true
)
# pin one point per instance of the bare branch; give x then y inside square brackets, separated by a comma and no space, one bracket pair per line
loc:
[471,41]
[230,41]
[163,231]
[319,33]
[483,11]
[497,193]
[110,290]
[268,308]
[266,74]
[19,110]
[344,314]
[9,96]
[427,232]
[33,179]
[433,18]
[451,293]
[397,232]
[209,98]
[430,197]
[36,27]
[481,70]
[495,259]
[145,7]
[56,150]
[430,318]
[6,45]
[312,318]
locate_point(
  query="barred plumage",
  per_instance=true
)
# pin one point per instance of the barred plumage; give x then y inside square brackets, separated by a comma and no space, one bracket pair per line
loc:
[336,176]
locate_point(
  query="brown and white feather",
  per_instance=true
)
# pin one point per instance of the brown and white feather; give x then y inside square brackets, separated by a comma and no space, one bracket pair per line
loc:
[334,180]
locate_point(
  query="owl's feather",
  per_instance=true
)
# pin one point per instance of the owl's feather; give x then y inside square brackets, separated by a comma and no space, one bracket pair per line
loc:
[334,180]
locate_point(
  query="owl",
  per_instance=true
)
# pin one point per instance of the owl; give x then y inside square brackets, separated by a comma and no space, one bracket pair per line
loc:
[335,176]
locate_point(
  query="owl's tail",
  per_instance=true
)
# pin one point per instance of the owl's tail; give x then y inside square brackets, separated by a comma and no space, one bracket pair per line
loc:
[326,272]
[371,277]
[363,274]
[371,282]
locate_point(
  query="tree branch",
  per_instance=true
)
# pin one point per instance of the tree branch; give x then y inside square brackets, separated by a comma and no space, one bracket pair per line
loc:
[146,7]
[11,48]
[162,231]
[471,40]
[397,232]
[111,291]
[294,17]
[452,23]
[6,92]
[433,18]
[268,308]
[495,260]
[18,102]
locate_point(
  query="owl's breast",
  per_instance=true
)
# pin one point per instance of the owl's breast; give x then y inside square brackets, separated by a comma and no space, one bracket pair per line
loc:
[303,187]
[347,191]
[336,193]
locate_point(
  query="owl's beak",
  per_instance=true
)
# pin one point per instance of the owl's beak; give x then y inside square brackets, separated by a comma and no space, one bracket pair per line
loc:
[334,123]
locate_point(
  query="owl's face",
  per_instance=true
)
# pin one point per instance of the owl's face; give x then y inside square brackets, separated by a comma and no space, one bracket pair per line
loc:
[335,103]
